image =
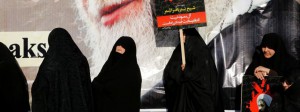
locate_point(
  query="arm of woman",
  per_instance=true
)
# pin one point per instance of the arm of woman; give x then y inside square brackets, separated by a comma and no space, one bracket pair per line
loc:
[266,71]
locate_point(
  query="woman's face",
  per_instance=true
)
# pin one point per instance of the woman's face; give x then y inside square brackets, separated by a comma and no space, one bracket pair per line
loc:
[120,49]
[268,53]
[286,85]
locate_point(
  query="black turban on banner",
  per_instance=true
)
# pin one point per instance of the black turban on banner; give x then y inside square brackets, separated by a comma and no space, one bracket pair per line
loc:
[117,87]
[13,85]
[63,81]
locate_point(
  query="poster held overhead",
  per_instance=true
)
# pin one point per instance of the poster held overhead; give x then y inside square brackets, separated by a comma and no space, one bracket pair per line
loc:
[180,14]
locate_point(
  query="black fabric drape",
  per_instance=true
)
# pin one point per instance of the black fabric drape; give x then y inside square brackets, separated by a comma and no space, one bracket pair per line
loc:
[13,85]
[197,88]
[117,87]
[63,81]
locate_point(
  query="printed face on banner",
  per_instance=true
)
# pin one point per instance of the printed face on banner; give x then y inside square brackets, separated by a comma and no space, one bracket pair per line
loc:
[107,20]
[257,95]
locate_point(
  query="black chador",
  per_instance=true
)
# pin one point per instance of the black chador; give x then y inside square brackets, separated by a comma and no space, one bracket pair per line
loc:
[63,81]
[196,88]
[117,87]
[13,85]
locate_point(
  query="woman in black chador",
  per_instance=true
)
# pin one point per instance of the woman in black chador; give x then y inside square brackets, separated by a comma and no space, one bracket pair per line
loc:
[291,85]
[63,81]
[117,87]
[271,58]
[13,85]
[195,87]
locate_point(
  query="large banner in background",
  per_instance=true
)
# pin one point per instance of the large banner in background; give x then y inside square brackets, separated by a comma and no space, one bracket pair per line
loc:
[234,28]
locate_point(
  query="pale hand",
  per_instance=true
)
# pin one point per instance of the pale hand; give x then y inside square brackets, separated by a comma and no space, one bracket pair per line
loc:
[182,67]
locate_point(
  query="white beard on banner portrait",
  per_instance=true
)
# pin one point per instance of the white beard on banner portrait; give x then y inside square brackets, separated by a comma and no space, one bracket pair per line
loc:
[107,20]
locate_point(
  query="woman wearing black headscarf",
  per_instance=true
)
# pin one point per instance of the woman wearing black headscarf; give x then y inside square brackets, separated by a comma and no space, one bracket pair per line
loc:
[289,99]
[117,87]
[291,86]
[271,58]
[196,87]
[13,85]
[63,81]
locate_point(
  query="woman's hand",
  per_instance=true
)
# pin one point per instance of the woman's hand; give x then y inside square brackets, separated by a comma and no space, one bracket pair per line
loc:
[260,75]
[182,67]
[261,71]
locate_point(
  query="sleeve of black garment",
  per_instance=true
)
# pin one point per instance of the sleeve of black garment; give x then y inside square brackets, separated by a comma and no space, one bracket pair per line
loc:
[13,87]
[194,64]
[291,64]
[135,88]
[253,64]
[79,89]
[86,82]
[40,93]
[172,77]
[273,73]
